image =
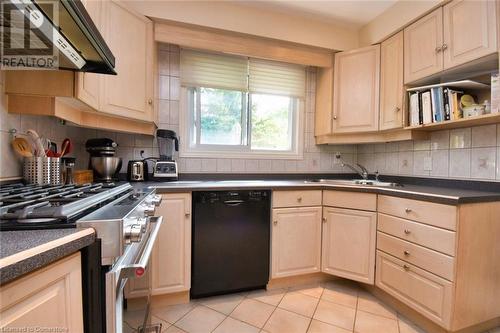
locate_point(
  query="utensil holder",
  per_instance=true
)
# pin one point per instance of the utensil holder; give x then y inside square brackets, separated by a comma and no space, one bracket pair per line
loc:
[42,170]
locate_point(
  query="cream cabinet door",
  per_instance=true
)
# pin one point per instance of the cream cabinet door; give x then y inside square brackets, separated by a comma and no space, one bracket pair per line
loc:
[295,241]
[391,82]
[50,297]
[356,90]
[423,42]
[130,37]
[349,240]
[469,31]
[87,84]
[171,261]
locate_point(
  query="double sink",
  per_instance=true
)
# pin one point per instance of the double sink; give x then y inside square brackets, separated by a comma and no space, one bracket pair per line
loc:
[360,182]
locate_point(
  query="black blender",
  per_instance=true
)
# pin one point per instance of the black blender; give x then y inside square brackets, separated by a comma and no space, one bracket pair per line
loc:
[165,168]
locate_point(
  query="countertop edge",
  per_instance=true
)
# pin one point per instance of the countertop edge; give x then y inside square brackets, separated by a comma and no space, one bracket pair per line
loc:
[27,261]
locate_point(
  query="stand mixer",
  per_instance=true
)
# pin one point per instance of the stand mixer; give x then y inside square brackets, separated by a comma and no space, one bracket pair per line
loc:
[165,168]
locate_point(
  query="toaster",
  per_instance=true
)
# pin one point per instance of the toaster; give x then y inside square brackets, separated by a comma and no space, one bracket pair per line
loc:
[137,171]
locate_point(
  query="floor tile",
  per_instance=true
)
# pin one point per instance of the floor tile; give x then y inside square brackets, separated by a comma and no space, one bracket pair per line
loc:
[341,296]
[173,313]
[225,304]
[164,325]
[370,323]
[309,290]
[272,297]
[282,321]
[335,314]
[200,320]
[230,325]
[369,303]
[406,326]
[299,303]
[253,312]
[321,327]
[173,329]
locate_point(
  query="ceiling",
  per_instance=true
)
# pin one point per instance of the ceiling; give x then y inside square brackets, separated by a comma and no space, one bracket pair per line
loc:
[353,13]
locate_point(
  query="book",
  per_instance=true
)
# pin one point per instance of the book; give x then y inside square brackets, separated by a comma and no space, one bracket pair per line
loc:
[454,101]
[446,104]
[495,92]
[440,104]
[435,104]
[420,113]
[426,107]
[414,109]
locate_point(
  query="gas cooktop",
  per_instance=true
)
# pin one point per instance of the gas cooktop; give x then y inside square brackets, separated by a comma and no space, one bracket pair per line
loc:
[53,206]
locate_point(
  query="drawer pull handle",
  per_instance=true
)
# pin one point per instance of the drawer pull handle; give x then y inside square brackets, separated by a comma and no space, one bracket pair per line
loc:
[299,199]
[275,222]
[407,231]
[406,267]
[187,215]
[406,252]
[408,210]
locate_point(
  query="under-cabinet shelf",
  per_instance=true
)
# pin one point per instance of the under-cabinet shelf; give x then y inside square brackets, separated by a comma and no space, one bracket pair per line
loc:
[484,119]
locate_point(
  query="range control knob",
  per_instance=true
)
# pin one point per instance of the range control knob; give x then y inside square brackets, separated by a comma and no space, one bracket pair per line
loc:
[149,210]
[156,200]
[143,222]
[133,233]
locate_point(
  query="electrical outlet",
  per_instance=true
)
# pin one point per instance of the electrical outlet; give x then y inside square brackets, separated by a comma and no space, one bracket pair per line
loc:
[337,159]
[427,163]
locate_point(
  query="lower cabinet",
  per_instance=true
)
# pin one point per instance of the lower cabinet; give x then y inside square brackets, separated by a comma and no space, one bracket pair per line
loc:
[349,243]
[170,264]
[50,298]
[296,241]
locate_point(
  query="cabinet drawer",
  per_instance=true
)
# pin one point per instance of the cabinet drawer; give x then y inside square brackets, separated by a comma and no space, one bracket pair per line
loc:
[353,200]
[439,215]
[296,198]
[434,238]
[424,292]
[432,261]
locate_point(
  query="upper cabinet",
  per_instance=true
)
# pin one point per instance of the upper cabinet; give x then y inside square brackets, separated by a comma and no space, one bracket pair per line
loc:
[391,82]
[423,41]
[130,37]
[469,31]
[356,90]
[459,32]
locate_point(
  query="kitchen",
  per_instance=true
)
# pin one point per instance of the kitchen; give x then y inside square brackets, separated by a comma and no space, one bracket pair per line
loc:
[274,166]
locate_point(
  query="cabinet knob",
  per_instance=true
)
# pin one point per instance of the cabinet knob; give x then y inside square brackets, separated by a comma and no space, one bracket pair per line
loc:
[406,252]
[397,109]
[334,117]
[407,231]
[444,47]
[150,101]
[299,199]
[323,219]
[439,49]
[406,267]
[187,215]
[275,222]
[408,210]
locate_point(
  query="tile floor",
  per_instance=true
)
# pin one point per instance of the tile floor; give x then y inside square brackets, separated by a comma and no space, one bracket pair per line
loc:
[339,306]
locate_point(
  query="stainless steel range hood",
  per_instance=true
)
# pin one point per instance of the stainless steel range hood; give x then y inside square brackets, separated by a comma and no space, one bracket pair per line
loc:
[63,23]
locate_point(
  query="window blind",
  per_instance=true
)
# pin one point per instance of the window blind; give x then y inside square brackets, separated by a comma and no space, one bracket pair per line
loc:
[202,69]
[271,77]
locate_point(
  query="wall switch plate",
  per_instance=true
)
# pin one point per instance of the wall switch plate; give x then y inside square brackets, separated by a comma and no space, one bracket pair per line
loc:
[427,163]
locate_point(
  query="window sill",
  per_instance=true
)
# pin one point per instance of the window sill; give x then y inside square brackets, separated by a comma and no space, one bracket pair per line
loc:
[245,155]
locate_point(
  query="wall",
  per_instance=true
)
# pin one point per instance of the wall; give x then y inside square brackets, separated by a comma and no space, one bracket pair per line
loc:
[468,153]
[232,16]
[316,158]
[393,19]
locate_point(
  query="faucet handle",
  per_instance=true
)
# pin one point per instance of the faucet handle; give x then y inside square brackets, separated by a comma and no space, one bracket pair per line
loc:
[376,175]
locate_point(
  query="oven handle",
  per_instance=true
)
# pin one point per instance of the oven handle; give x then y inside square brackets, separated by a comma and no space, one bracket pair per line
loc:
[138,269]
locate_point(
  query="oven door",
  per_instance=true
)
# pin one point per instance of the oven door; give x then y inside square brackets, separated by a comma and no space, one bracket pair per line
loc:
[132,265]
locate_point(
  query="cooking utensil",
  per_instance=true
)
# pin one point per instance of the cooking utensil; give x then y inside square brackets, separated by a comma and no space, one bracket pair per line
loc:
[40,149]
[66,147]
[22,147]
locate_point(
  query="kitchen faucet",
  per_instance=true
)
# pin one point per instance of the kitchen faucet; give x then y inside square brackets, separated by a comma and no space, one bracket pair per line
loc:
[363,173]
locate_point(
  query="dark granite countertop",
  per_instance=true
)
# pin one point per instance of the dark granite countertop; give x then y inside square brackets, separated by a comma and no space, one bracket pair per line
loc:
[24,251]
[425,189]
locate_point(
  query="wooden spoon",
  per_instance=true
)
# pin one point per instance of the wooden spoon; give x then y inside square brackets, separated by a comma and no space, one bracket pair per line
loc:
[22,147]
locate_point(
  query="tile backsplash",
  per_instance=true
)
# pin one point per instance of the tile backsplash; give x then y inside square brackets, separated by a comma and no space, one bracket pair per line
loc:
[465,153]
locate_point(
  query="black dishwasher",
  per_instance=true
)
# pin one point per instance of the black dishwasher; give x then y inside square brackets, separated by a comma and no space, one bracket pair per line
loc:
[230,243]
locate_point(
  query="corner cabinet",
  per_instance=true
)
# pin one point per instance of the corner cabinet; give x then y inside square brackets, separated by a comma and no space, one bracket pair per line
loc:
[130,37]
[356,90]
[391,82]
[50,297]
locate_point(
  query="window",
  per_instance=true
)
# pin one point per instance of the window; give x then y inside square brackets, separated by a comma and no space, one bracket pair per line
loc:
[240,107]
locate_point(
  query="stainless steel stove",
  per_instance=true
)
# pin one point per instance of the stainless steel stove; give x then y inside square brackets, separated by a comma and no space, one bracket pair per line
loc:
[122,216]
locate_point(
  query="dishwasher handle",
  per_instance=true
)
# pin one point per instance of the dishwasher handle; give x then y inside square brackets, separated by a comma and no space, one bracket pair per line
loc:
[233,202]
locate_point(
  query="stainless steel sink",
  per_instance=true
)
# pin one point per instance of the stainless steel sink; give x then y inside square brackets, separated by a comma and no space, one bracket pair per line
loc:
[353,182]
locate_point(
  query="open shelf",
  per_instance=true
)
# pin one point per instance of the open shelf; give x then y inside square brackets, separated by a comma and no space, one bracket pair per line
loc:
[463,84]
[484,119]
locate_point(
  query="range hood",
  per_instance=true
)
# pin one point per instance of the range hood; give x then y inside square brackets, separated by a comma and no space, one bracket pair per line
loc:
[63,23]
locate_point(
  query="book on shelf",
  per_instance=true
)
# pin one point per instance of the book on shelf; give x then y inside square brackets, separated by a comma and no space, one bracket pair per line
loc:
[437,104]
[426,107]
[414,108]
[495,92]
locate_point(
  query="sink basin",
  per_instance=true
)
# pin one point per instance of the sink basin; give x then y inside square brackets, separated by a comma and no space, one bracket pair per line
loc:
[361,182]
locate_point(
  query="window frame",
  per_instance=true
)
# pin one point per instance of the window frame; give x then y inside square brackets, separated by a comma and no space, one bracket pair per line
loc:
[186,121]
